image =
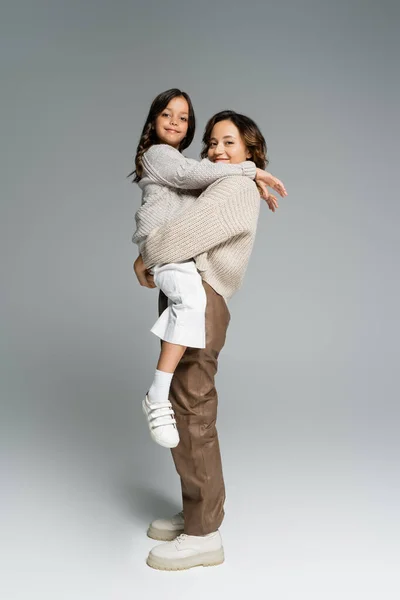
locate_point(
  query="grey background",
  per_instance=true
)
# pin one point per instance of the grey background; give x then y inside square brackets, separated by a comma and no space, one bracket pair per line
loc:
[308,380]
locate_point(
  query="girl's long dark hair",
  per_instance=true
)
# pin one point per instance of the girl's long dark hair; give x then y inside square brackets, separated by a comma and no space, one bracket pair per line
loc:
[249,130]
[149,136]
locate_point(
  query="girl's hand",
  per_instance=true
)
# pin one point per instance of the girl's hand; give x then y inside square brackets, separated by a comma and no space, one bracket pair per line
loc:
[269,198]
[144,277]
[271,181]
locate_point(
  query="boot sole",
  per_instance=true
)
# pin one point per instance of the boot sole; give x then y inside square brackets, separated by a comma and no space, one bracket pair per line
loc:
[163,535]
[207,559]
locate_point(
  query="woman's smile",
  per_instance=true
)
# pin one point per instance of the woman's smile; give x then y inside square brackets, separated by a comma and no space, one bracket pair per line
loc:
[226,144]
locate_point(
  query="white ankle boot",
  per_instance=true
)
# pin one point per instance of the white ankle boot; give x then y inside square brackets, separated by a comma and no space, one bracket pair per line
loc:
[166,529]
[187,551]
[161,422]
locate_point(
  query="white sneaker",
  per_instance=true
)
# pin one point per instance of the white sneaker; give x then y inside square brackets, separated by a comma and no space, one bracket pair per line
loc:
[187,551]
[166,529]
[161,422]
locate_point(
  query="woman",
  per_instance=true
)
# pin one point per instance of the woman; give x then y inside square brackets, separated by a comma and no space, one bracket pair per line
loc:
[218,231]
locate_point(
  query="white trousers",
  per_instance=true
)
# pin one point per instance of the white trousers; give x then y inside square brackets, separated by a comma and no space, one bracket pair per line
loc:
[183,321]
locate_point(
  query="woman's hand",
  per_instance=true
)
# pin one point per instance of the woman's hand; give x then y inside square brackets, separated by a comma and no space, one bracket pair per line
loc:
[144,277]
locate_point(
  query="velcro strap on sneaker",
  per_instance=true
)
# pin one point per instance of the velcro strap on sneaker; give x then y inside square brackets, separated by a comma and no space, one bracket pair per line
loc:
[163,421]
[160,412]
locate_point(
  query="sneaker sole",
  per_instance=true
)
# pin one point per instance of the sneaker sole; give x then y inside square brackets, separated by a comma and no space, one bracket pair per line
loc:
[153,437]
[208,559]
[163,535]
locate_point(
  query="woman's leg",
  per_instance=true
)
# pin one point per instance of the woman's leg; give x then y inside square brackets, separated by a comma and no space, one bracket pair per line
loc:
[194,399]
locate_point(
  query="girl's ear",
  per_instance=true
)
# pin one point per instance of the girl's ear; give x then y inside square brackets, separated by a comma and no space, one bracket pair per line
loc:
[248,154]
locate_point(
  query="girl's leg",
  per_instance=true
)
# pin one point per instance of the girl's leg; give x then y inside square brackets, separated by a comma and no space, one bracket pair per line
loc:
[181,324]
[170,356]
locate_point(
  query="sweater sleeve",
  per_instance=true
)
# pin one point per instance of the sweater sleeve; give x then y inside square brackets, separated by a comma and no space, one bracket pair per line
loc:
[167,166]
[211,221]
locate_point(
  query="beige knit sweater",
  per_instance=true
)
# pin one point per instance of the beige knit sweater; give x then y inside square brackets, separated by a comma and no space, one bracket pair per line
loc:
[218,231]
[171,183]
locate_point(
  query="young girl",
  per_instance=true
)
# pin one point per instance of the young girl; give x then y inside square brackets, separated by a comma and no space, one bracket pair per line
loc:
[170,184]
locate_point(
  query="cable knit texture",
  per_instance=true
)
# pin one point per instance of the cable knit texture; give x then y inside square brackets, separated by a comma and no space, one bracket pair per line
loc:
[218,231]
[172,183]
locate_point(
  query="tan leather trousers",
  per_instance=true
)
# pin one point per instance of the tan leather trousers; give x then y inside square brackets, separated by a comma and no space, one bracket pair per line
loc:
[194,398]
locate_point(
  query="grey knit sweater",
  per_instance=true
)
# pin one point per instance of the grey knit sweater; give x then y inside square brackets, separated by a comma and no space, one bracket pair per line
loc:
[171,183]
[217,230]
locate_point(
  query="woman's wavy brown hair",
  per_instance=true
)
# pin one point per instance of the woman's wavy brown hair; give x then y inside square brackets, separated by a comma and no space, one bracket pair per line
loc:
[149,136]
[249,130]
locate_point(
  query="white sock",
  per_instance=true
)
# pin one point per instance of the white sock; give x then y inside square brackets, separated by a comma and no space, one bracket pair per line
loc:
[159,390]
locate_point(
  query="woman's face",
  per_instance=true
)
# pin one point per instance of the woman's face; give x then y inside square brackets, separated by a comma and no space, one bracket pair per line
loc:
[171,125]
[226,144]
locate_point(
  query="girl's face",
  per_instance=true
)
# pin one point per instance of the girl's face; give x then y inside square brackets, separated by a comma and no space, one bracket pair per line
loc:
[171,125]
[226,144]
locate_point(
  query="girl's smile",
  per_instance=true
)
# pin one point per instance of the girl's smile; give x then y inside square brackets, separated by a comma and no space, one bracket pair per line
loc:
[172,123]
